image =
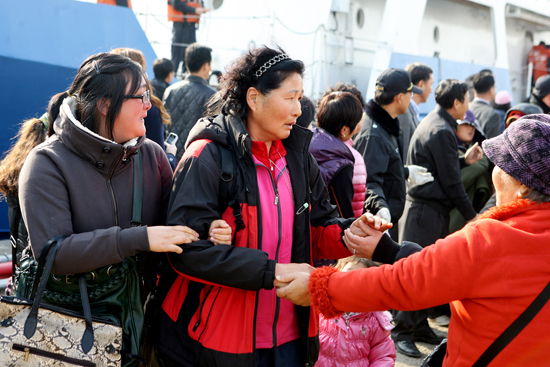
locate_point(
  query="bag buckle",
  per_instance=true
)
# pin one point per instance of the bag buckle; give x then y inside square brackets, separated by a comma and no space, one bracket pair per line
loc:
[67,278]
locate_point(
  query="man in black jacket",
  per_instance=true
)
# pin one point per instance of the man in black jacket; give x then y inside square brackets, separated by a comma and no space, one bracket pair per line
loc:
[186,100]
[380,143]
[434,146]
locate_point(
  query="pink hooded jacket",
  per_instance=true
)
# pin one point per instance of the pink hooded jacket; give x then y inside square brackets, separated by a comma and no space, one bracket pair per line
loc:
[356,339]
[359,181]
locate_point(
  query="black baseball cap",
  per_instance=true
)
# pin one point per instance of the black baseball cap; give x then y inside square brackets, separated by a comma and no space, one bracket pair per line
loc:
[542,86]
[396,81]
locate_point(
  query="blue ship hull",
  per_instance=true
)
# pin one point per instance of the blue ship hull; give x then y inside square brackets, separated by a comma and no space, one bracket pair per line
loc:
[42,44]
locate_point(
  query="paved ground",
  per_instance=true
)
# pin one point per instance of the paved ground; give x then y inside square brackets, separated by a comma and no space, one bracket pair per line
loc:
[425,349]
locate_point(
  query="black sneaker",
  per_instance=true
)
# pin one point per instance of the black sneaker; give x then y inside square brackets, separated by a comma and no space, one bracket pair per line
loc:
[408,348]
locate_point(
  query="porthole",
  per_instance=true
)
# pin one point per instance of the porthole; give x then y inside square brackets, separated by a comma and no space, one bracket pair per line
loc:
[360,18]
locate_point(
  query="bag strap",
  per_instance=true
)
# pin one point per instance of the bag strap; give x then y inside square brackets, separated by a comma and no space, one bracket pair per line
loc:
[514,329]
[42,262]
[137,201]
[49,252]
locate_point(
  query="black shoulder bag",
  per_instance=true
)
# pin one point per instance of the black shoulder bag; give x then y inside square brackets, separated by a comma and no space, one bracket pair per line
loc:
[435,359]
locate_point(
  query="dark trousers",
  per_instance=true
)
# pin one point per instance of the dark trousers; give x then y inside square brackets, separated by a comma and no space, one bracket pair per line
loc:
[424,225]
[286,355]
[181,33]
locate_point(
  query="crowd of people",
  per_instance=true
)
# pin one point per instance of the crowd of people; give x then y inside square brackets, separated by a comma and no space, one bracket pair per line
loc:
[261,183]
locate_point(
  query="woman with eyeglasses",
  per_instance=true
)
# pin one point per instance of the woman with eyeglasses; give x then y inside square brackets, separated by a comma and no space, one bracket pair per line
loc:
[80,182]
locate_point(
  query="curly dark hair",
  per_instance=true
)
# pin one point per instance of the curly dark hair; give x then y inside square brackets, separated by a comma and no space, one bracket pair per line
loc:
[239,77]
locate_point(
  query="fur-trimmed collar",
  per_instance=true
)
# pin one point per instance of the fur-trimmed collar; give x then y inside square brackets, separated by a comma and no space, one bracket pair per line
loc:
[382,118]
[505,211]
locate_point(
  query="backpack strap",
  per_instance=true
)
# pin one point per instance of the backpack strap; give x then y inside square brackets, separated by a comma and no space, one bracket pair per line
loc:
[228,191]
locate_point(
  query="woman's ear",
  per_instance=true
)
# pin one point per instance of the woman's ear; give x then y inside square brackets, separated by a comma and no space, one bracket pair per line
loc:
[252,95]
[103,105]
[523,191]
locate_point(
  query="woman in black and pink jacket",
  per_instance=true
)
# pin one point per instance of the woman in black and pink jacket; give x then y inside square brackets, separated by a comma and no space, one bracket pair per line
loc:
[221,306]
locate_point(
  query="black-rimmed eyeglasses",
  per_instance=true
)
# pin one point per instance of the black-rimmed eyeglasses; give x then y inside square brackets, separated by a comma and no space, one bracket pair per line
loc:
[145,97]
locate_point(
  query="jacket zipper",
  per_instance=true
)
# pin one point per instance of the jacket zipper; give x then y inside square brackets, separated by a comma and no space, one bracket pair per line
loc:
[55,356]
[197,324]
[279,229]
[111,185]
[208,317]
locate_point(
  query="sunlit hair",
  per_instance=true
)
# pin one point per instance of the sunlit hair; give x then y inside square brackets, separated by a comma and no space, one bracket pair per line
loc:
[239,77]
[31,133]
[137,56]
[341,264]
[345,87]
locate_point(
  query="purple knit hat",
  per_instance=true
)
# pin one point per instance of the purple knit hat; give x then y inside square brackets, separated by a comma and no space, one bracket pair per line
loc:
[523,151]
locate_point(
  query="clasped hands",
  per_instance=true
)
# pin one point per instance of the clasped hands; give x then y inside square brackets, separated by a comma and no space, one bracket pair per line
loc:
[361,238]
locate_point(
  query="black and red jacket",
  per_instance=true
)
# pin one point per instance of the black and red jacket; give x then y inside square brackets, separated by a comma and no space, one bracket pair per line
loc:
[208,316]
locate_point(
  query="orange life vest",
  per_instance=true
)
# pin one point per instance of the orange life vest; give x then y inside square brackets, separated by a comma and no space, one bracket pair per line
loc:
[114,2]
[178,16]
[540,57]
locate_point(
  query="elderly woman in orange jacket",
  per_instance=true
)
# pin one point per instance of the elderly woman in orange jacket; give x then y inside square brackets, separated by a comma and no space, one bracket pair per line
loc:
[490,271]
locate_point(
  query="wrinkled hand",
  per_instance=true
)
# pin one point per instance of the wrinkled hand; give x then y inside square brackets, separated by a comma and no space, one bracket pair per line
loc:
[362,240]
[171,149]
[373,221]
[474,154]
[220,232]
[284,269]
[419,175]
[296,290]
[167,238]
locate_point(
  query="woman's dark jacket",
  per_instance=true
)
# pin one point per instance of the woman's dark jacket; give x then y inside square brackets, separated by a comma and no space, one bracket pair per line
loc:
[336,164]
[208,316]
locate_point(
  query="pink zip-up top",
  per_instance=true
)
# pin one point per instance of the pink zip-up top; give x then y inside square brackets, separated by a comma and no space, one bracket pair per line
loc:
[356,340]
[359,181]
[276,321]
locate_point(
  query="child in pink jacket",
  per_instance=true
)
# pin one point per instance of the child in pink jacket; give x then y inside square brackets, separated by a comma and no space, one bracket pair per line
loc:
[356,339]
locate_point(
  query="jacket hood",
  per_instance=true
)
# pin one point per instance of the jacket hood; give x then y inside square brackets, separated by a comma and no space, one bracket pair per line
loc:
[326,147]
[93,148]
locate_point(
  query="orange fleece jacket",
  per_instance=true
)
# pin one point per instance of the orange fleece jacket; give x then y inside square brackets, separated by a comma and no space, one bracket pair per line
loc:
[490,272]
